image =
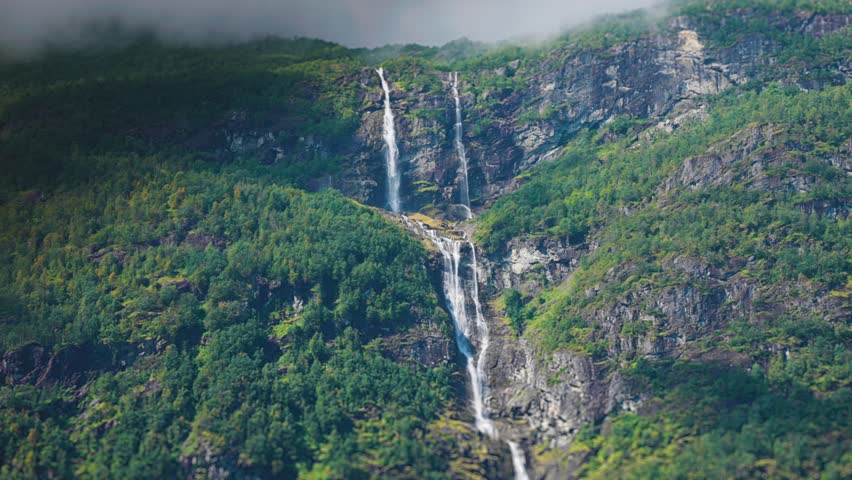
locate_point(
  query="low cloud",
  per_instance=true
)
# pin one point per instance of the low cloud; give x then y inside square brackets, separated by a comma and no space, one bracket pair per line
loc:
[26,26]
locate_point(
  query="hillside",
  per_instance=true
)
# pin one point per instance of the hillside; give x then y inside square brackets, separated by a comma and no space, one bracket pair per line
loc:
[199,277]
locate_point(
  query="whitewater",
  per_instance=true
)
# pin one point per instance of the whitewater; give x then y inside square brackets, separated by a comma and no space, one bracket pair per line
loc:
[471,328]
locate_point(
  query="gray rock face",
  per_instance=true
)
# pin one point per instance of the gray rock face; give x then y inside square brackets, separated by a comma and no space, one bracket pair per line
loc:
[761,158]
[543,399]
[24,364]
[532,264]
[509,130]
[235,137]
[69,366]
[424,136]
[823,24]
[714,169]
[644,78]
[425,344]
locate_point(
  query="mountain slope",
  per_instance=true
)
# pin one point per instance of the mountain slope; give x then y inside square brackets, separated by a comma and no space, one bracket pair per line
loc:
[662,206]
[720,250]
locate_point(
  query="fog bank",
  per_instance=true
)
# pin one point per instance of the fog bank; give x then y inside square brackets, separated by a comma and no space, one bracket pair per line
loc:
[26,26]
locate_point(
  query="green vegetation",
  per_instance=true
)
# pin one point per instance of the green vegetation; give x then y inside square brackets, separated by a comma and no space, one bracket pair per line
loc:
[716,422]
[589,188]
[594,182]
[804,53]
[206,313]
[147,98]
[204,262]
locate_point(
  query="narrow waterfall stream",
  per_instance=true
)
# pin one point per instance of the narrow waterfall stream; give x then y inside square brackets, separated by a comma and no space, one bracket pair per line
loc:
[519,462]
[471,332]
[457,292]
[460,151]
[391,149]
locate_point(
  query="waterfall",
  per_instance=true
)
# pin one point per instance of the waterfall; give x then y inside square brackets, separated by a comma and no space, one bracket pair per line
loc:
[466,330]
[470,331]
[391,149]
[465,186]
[519,463]
[459,291]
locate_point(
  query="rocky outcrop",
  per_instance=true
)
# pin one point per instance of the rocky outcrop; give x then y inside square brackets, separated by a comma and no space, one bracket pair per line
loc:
[821,24]
[68,366]
[513,128]
[532,264]
[717,167]
[424,344]
[24,364]
[765,159]
[542,399]
[645,78]
[424,128]
[563,94]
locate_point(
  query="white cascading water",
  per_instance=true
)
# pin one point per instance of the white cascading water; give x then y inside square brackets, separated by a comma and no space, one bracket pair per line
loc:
[470,332]
[466,331]
[391,149]
[519,462]
[457,291]
[459,132]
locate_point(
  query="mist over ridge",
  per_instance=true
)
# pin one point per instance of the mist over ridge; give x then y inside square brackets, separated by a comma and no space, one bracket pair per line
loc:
[27,27]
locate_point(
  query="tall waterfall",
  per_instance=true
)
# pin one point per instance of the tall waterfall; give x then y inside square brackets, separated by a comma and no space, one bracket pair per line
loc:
[467,329]
[471,331]
[391,149]
[460,151]
[460,290]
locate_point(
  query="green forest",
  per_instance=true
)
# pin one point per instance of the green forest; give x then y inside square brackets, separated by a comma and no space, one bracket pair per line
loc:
[211,280]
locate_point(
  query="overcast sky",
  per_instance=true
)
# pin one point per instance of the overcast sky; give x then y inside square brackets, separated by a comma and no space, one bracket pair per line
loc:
[26,24]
